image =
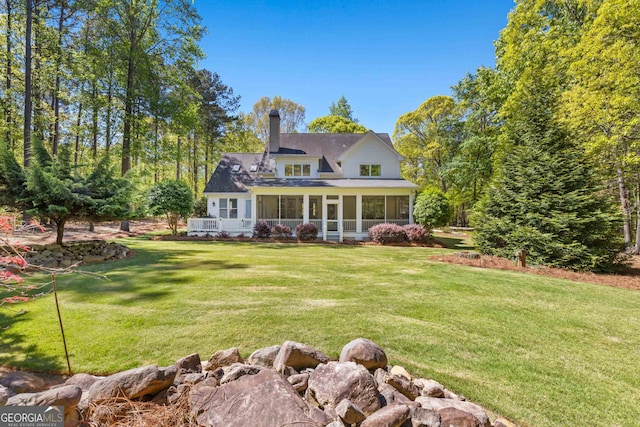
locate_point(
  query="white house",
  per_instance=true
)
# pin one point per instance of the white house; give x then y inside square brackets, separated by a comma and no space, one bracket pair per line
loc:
[342,183]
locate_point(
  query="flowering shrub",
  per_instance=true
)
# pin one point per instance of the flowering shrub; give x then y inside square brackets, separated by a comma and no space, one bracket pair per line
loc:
[387,233]
[12,264]
[281,231]
[223,235]
[416,233]
[261,230]
[306,232]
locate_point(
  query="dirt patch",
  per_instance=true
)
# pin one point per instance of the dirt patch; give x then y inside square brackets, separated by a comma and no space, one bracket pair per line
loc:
[76,231]
[629,278]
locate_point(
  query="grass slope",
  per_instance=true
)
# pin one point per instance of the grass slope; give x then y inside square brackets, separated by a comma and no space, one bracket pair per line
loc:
[539,351]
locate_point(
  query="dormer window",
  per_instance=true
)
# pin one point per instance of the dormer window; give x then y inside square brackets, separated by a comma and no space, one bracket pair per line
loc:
[297,169]
[370,170]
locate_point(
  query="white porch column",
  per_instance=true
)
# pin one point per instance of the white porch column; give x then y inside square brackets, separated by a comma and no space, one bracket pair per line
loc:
[411,208]
[359,213]
[340,227]
[324,217]
[254,208]
[305,208]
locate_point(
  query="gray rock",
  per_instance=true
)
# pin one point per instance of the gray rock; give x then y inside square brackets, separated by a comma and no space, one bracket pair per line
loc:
[67,396]
[421,417]
[193,378]
[403,385]
[298,356]
[90,259]
[238,370]
[389,416]
[429,388]
[318,416]
[390,395]
[299,382]
[264,399]
[436,404]
[365,352]
[349,413]
[399,370]
[190,363]
[134,383]
[4,395]
[331,383]
[336,423]
[453,417]
[224,358]
[22,382]
[264,356]
[84,381]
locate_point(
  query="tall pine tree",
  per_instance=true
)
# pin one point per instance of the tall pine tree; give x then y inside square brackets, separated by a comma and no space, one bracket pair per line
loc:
[545,200]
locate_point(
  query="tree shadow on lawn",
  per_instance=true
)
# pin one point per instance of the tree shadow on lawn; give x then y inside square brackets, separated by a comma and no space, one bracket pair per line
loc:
[458,243]
[14,344]
[159,267]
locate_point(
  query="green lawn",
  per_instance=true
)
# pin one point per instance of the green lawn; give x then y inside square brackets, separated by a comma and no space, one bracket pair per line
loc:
[537,350]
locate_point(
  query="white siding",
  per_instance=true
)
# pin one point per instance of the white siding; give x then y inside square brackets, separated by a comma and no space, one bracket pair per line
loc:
[213,203]
[281,161]
[371,151]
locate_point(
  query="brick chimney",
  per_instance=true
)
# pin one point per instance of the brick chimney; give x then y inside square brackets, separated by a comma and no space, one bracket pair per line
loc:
[274,131]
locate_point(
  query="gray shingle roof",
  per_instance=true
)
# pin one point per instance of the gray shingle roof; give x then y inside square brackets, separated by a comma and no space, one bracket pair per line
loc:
[237,171]
[234,173]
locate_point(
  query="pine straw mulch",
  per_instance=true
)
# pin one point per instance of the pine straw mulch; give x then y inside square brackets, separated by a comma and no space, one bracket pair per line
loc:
[629,278]
[122,412]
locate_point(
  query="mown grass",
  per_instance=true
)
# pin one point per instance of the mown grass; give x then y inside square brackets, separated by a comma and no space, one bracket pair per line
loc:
[539,351]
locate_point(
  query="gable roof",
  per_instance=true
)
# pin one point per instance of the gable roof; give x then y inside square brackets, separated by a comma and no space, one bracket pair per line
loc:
[328,146]
[237,171]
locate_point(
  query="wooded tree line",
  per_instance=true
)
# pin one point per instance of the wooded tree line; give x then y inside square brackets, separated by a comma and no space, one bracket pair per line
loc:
[116,77]
[567,70]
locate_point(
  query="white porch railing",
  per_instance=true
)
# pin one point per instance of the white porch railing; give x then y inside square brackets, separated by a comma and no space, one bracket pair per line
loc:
[349,225]
[215,225]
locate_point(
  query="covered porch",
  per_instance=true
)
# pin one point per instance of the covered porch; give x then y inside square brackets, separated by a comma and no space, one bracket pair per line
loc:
[339,217]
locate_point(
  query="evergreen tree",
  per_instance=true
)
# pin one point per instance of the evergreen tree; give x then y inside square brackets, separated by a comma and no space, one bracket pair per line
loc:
[544,200]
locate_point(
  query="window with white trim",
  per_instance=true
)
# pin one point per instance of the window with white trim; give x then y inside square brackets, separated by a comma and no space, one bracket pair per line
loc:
[371,170]
[229,208]
[297,169]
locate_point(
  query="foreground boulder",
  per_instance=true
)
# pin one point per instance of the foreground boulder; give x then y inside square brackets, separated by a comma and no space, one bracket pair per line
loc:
[437,404]
[264,399]
[364,352]
[132,384]
[331,383]
[22,382]
[389,416]
[264,356]
[298,356]
[67,396]
[4,395]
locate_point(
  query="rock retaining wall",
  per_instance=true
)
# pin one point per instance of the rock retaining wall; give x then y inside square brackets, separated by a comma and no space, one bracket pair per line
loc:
[81,252]
[292,384]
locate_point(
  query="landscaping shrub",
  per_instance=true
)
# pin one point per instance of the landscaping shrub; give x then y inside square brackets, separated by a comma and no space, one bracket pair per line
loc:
[281,231]
[387,233]
[432,208]
[306,232]
[223,235]
[416,233]
[200,207]
[261,230]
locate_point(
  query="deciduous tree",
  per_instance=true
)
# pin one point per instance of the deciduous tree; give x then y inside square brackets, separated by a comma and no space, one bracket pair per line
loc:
[335,124]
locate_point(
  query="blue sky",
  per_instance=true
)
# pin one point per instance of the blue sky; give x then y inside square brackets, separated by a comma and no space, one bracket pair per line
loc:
[385,57]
